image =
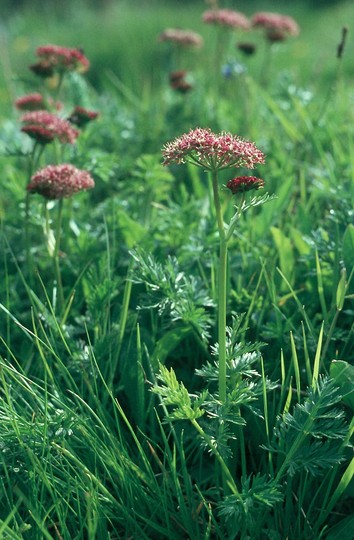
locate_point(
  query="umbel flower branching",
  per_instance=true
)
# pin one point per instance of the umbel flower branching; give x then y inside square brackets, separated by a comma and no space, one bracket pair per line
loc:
[214,152]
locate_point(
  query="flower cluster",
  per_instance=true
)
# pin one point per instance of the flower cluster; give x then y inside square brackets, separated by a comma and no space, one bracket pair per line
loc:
[184,38]
[244,183]
[212,151]
[59,181]
[81,116]
[277,27]
[36,102]
[44,126]
[30,102]
[226,17]
[56,58]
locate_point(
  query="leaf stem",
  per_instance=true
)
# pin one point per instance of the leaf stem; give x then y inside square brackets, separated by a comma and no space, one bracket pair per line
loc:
[225,470]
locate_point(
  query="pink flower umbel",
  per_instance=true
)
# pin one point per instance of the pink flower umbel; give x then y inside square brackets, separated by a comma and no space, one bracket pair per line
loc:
[81,116]
[59,128]
[30,102]
[184,38]
[241,184]
[277,27]
[212,151]
[57,58]
[60,181]
[226,17]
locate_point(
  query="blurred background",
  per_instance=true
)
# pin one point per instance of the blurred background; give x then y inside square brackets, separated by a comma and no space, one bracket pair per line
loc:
[120,38]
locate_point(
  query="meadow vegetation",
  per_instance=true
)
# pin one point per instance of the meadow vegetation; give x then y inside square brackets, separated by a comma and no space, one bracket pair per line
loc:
[176,335]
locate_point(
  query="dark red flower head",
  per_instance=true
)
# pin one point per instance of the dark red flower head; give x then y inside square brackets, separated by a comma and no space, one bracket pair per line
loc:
[43,69]
[241,184]
[56,58]
[81,116]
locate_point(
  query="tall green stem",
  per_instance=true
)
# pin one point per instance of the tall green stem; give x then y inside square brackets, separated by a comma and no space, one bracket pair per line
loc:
[33,161]
[221,289]
[222,319]
[56,253]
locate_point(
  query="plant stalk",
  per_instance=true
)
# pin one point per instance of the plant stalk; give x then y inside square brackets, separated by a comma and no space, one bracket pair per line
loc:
[56,253]
[221,289]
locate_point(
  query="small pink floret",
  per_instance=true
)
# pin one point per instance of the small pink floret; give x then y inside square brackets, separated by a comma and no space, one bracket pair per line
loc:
[60,181]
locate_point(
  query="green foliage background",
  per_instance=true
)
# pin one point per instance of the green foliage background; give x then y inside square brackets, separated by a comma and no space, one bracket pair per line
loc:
[87,449]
